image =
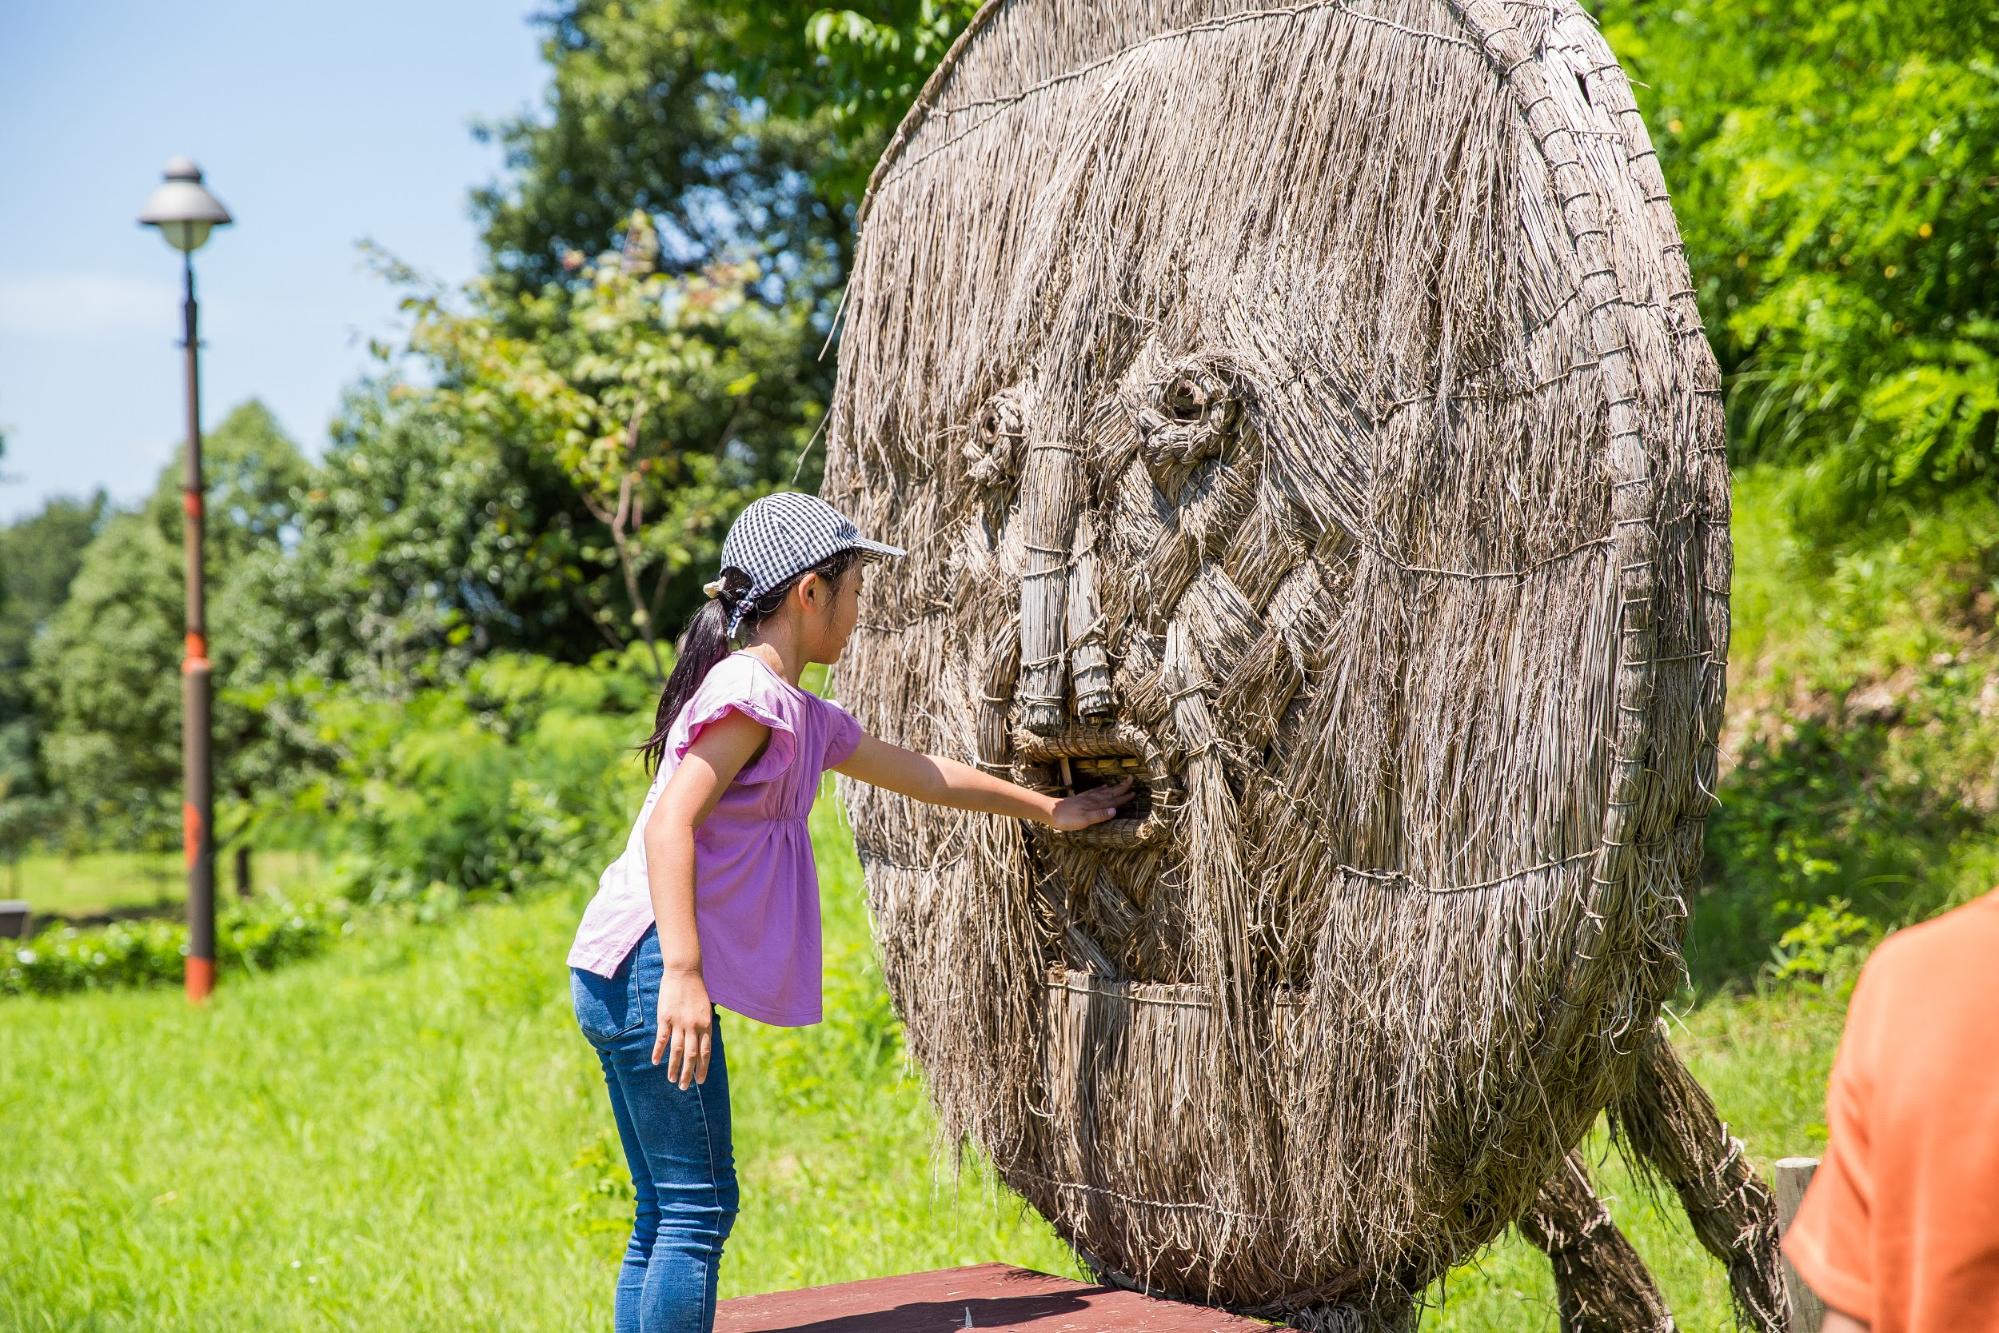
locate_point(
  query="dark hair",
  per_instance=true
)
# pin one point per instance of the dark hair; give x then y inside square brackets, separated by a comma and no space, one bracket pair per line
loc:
[705,640]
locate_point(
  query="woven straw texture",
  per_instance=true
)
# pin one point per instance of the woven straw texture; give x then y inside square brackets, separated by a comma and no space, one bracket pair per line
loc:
[1304,411]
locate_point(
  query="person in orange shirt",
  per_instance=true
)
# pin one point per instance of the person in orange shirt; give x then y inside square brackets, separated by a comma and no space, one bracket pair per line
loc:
[1899,1231]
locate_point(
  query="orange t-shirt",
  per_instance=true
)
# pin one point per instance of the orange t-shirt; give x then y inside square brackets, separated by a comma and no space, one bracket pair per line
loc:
[1900,1227]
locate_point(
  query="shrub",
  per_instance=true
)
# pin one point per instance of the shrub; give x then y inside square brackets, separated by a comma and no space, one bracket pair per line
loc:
[519,777]
[1826,947]
[249,937]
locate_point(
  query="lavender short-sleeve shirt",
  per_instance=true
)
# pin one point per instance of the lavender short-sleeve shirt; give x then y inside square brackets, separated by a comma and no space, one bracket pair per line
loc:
[756,890]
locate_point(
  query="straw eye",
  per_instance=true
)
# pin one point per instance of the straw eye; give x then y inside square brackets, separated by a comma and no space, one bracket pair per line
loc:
[992,455]
[1185,398]
[999,422]
[1190,412]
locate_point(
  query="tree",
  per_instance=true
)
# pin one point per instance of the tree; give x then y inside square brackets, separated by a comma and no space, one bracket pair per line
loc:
[420,548]
[666,401]
[851,75]
[1836,173]
[641,114]
[741,129]
[105,668]
[39,558]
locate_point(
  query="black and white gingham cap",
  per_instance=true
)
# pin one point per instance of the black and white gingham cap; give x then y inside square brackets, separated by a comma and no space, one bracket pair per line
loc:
[784,534]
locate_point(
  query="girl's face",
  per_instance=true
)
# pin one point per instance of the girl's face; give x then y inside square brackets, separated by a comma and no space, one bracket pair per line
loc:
[840,612]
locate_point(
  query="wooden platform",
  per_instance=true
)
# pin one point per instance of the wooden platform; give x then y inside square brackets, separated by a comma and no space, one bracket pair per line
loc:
[992,1296]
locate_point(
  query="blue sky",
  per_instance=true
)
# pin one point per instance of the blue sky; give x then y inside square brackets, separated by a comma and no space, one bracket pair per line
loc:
[316,125]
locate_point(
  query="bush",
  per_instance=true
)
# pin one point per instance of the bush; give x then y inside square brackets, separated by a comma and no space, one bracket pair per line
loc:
[1832,169]
[1830,822]
[1826,947]
[249,937]
[519,777]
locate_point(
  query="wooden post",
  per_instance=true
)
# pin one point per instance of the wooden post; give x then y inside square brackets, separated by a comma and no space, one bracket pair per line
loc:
[197,729]
[1793,1174]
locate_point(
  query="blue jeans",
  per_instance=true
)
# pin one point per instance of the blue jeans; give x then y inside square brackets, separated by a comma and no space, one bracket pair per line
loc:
[676,1142]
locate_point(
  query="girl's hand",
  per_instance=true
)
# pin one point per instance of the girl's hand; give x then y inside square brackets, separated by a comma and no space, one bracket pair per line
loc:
[1088,807]
[684,1018]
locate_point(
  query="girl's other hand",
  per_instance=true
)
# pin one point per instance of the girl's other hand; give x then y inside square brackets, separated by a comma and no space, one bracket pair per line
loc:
[684,1018]
[1088,807]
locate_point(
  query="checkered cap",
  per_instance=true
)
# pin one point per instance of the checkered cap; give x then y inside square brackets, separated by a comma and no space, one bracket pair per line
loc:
[785,534]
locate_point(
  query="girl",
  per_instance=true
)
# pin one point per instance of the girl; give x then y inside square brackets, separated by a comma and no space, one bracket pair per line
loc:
[715,899]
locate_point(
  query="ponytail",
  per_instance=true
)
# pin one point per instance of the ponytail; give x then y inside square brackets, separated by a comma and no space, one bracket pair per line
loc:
[705,640]
[701,645]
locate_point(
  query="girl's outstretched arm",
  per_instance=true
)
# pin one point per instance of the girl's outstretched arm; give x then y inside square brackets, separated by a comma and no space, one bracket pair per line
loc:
[941,781]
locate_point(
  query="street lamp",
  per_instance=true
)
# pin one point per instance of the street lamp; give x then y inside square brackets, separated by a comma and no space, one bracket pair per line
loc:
[185,212]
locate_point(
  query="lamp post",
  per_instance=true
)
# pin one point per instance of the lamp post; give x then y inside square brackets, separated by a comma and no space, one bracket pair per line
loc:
[185,213]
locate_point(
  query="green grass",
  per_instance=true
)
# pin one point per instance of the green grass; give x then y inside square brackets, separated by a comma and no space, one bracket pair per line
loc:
[410,1133]
[55,884]
[1813,617]
[1861,758]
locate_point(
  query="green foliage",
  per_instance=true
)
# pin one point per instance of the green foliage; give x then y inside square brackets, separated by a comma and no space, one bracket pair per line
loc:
[1835,170]
[249,938]
[105,674]
[1889,820]
[1828,944]
[39,558]
[856,72]
[420,548]
[641,113]
[519,777]
[104,667]
[1864,732]
[742,130]
[667,402]
[1812,618]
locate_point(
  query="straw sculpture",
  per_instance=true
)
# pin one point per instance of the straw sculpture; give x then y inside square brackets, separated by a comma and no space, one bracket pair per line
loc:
[1304,411]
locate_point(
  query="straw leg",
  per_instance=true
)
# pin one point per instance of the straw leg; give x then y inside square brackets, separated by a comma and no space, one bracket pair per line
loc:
[1670,1122]
[1601,1285]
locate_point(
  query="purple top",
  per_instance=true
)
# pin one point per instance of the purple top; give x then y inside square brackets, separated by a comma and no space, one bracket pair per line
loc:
[756,891]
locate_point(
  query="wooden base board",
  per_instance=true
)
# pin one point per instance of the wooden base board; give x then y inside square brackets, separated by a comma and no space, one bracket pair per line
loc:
[987,1296]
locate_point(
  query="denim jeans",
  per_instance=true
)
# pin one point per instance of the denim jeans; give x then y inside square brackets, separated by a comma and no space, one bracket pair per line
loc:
[676,1142]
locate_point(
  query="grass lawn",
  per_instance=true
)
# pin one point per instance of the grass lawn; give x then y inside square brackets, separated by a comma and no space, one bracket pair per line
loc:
[409,1133]
[71,886]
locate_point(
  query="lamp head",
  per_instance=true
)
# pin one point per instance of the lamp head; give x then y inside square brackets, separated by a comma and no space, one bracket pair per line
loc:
[182,208]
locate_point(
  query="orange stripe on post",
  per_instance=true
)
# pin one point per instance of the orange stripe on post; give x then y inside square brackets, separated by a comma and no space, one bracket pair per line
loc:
[194,654]
[190,503]
[190,833]
[200,978]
